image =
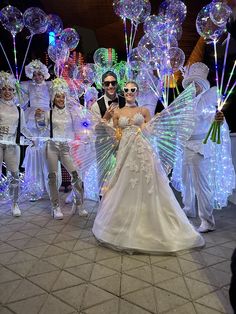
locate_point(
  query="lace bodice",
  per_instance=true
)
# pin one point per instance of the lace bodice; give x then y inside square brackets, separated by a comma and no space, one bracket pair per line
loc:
[137,119]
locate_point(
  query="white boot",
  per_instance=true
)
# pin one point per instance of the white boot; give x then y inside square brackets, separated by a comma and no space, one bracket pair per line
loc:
[15,210]
[57,213]
[206,227]
[82,212]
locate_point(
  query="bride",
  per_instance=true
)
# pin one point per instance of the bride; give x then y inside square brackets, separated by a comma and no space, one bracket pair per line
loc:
[139,211]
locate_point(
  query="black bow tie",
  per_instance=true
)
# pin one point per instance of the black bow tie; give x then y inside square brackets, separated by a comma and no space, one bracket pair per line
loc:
[111,101]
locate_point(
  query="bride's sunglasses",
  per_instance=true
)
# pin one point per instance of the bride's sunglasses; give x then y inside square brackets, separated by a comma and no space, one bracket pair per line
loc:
[131,90]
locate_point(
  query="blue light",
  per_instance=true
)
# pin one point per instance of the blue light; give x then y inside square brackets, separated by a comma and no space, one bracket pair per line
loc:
[52,38]
[85,124]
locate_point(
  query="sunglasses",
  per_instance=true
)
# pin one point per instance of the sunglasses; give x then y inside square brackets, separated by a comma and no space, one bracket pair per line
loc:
[107,83]
[131,90]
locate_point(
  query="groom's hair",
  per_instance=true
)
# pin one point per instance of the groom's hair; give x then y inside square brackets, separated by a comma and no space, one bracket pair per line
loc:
[108,73]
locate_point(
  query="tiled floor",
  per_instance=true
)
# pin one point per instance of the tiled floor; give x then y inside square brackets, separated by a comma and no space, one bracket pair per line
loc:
[49,266]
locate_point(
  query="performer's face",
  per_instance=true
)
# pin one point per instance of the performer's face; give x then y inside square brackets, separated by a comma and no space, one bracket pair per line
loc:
[59,100]
[198,88]
[130,92]
[110,85]
[7,92]
[38,77]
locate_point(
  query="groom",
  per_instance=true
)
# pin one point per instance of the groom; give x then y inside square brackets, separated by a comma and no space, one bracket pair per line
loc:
[105,105]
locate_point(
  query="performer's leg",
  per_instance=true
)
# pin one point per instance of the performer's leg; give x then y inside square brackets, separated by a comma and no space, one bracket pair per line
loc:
[189,191]
[76,181]
[52,155]
[12,160]
[203,193]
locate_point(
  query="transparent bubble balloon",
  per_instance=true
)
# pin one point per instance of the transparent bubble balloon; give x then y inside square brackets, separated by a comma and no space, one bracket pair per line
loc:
[65,69]
[175,59]
[144,13]
[173,10]
[150,23]
[165,42]
[156,58]
[76,88]
[36,20]
[86,74]
[55,24]
[136,58]
[70,37]
[142,52]
[219,13]
[128,9]
[59,52]
[146,41]
[205,27]
[12,19]
[105,57]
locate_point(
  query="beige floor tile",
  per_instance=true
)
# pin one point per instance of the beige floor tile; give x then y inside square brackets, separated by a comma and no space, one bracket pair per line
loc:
[72,296]
[6,257]
[201,309]
[66,280]
[110,284]
[55,306]
[58,260]
[113,263]
[197,288]
[187,308]
[100,271]
[130,263]
[176,286]
[95,295]
[6,290]
[111,306]
[188,267]
[31,305]
[217,301]
[128,308]
[45,280]
[7,275]
[4,310]
[160,274]
[75,260]
[143,273]
[144,298]
[82,271]
[22,268]
[25,290]
[41,267]
[168,301]
[171,264]
[130,284]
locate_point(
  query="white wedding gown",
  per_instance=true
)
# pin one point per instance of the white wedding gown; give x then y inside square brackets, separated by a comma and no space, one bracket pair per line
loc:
[139,211]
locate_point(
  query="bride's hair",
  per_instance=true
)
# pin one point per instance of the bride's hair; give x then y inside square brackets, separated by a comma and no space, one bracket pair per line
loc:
[132,82]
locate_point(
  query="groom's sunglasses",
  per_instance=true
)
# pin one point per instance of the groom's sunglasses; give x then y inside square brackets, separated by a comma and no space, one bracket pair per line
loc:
[131,90]
[107,83]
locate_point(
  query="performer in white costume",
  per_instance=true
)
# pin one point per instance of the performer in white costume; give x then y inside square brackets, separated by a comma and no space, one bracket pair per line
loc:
[90,176]
[61,124]
[139,211]
[12,123]
[38,92]
[194,174]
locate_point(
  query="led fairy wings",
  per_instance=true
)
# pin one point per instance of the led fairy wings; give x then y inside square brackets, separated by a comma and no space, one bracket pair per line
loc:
[167,133]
